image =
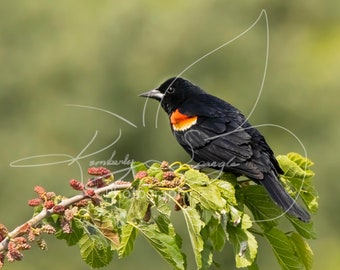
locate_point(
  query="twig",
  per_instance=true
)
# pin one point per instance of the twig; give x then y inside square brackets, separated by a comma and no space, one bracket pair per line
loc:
[47,212]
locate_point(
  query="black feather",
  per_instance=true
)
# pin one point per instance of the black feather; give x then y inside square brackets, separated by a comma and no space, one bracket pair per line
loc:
[281,197]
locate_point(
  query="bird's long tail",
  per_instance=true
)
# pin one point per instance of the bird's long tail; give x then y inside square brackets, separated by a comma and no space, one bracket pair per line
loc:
[279,195]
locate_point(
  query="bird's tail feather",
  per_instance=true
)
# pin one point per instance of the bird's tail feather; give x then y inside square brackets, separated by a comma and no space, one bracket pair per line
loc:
[279,195]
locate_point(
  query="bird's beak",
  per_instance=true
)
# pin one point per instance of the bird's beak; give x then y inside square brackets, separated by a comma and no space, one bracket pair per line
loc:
[155,94]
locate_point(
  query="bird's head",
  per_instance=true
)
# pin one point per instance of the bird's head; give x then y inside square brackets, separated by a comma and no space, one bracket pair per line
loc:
[172,93]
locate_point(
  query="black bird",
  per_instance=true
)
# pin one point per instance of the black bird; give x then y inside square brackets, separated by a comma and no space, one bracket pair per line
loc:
[217,135]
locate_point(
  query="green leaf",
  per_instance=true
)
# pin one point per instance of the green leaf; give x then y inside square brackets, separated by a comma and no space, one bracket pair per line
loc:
[137,166]
[139,204]
[283,249]
[154,169]
[303,162]
[162,219]
[195,177]
[305,229]
[162,214]
[227,191]
[298,179]
[203,191]
[209,197]
[77,231]
[229,177]
[194,225]
[244,244]
[162,222]
[303,250]
[207,256]
[162,205]
[215,233]
[105,225]
[95,249]
[246,222]
[127,240]
[291,164]
[166,245]
[264,211]
[235,216]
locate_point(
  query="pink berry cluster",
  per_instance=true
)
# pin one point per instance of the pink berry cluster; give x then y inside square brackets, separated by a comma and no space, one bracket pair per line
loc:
[45,198]
[16,245]
[102,177]
[66,219]
[165,178]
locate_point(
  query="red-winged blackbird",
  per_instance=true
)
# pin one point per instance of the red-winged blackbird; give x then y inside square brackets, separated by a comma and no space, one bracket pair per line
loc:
[217,135]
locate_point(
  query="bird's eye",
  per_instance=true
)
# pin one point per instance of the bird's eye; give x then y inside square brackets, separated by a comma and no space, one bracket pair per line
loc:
[171,90]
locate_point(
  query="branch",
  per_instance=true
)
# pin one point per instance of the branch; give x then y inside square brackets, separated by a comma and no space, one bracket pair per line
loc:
[45,212]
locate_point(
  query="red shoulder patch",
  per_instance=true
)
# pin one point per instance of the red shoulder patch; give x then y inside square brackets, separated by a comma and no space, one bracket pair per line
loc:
[181,122]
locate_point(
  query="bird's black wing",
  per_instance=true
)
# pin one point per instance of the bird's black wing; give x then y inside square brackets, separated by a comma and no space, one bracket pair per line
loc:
[223,137]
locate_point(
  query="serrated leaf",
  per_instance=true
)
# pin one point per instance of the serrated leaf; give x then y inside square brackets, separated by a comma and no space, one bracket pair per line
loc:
[127,240]
[264,211]
[298,179]
[218,237]
[162,222]
[246,222]
[95,249]
[235,215]
[292,169]
[215,233]
[194,224]
[162,214]
[139,204]
[209,197]
[105,226]
[244,244]
[283,249]
[203,191]
[206,215]
[310,198]
[195,177]
[77,231]
[227,190]
[305,229]
[211,237]
[166,245]
[303,250]
[162,205]
[303,162]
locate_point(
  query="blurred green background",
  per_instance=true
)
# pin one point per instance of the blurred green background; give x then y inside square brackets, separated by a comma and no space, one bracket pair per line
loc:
[104,53]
